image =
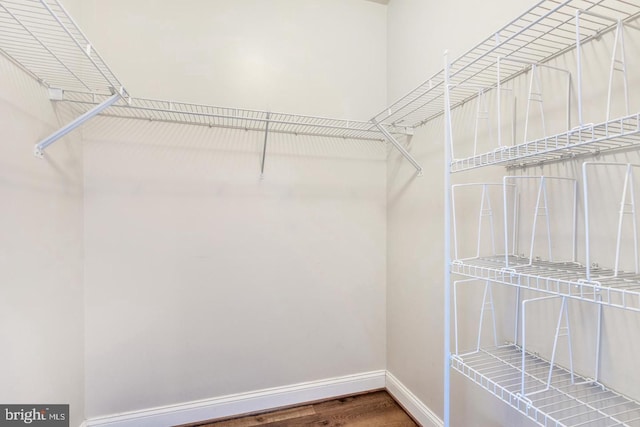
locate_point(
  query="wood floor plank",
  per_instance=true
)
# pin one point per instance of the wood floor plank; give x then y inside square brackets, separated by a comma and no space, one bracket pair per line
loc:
[366,410]
[269,418]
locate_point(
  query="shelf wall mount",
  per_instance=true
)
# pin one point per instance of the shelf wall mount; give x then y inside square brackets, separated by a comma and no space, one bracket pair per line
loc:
[39,148]
[390,138]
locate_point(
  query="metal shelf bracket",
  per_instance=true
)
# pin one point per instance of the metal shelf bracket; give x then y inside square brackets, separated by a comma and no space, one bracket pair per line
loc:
[39,148]
[264,147]
[398,146]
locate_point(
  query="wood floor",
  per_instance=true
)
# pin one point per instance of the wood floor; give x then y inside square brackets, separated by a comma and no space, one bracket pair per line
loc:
[364,410]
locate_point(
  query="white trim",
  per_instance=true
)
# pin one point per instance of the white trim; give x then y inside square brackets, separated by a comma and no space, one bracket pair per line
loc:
[242,403]
[418,410]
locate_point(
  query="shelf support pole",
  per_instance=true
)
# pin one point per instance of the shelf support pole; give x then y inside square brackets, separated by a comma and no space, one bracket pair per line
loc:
[398,146]
[264,147]
[447,244]
[39,148]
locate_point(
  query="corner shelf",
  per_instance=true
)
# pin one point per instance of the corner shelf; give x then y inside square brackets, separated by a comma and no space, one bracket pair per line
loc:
[542,33]
[565,403]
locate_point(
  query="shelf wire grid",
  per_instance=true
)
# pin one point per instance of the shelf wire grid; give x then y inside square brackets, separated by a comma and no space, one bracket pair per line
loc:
[542,33]
[620,133]
[568,279]
[42,39]
[225,117]
[564,404]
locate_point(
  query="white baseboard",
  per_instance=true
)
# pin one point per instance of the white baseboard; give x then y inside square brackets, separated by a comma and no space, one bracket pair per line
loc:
[242,403]
[418,410]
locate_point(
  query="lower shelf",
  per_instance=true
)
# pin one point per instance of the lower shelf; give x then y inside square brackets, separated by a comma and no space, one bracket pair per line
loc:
[563,404]
[558,278]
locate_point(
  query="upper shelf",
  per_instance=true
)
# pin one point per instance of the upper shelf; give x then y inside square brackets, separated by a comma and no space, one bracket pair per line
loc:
[41,38]
[225,117]
[544,32]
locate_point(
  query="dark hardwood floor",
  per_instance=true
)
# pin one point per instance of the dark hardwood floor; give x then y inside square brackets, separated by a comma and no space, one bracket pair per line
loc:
[365,410]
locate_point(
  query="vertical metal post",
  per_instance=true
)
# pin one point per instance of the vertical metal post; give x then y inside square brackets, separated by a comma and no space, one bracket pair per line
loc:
[499,102]
[264,147]
[524,347]
[587,246]
[598,341]
[574,237]
[579,68]
[447,244]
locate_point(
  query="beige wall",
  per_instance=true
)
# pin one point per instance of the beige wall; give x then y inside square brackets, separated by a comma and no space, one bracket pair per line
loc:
[315,57]
[204,280]
[42,303]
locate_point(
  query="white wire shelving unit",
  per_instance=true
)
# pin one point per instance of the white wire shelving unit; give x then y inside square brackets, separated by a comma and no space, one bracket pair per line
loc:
[543,33]
[42,39]
[548,30]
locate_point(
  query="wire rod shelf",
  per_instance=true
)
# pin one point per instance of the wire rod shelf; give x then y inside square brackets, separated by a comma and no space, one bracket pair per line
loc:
[42,39]
[566,403]
[225,117]
[557,278]
[590,139]
[544,32]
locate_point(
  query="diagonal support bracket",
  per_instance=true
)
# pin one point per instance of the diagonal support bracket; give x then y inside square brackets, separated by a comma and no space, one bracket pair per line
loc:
[39,148]
[398,146]
[264,147]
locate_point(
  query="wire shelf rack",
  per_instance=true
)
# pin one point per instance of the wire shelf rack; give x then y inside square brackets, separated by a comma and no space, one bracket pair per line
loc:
[42,39]
[544,32]
[621,290]
[590,139]
[234,118]
[566,403]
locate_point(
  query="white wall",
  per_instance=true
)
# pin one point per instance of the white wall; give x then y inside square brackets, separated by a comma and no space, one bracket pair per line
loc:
[41,303]
[317,57]
[201,279]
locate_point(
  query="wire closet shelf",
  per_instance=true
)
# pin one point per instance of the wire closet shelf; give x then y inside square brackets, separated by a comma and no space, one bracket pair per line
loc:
[225,117]
[41,38]
[541,34]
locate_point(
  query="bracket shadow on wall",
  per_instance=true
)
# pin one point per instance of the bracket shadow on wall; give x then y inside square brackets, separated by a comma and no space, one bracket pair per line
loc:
[42,39]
